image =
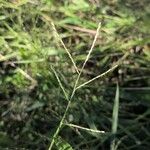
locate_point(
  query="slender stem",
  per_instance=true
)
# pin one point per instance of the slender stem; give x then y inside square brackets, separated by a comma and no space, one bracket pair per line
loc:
[83,128]
[67,51]
[106,72]
[47,18]
[59,126]
[74,89]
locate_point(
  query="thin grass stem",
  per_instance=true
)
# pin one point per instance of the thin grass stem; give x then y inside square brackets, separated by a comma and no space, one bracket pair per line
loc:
[59,126]
[64,46]
[99,76]
[74,90]
[47,18]
[83,128]
[106,72]
[60,84]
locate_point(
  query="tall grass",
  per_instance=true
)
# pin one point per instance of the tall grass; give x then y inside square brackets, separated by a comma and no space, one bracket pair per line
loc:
[74,88]
[77,87]
[58,74]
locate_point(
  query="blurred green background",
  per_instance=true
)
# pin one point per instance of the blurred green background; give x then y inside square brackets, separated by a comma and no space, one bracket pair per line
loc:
[31,100]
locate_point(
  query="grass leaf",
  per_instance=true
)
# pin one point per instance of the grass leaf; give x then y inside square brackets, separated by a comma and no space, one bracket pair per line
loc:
[115,117]
[61,144]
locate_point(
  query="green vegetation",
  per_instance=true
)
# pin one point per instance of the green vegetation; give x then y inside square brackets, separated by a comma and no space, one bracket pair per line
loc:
[74,74]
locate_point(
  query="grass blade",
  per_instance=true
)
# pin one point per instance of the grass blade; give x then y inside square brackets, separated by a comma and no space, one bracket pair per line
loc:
[61,144]
[115,118]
